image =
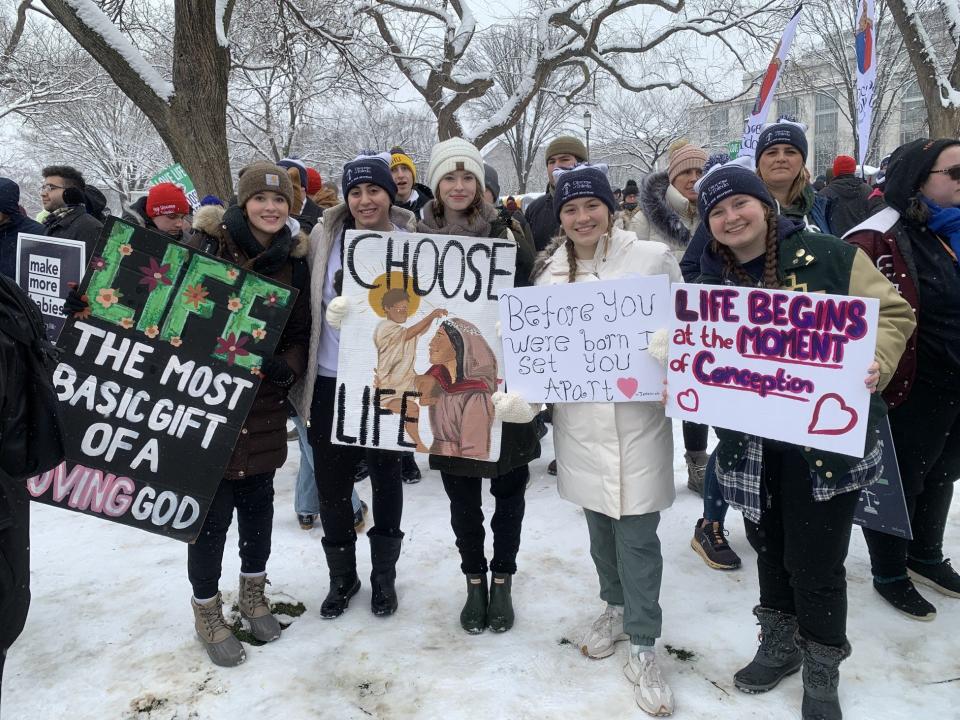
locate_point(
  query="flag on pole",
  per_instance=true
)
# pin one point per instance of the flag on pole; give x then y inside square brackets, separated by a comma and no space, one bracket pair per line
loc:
[866,73]
[768,88]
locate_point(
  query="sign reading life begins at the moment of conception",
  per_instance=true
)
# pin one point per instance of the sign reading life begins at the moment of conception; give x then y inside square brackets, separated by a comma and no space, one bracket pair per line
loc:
[45,268]
[156,381]
[585,342]
[419,354]
[781,365]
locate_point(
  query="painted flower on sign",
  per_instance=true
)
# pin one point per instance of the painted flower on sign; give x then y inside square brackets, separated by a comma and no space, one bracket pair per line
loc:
[152,331]
[259,334]
[234,304]
[271,299]
[126,249]
[231,346]
[97,262]
[195,294]
[232,273]
[154,274]
[108,297]
[126,323]
[176,341]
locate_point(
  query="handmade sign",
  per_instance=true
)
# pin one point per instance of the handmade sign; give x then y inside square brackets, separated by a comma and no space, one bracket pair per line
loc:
[419,353]
[882,506]
[782,365]
[156,382]
[45,266]
[585,342]
[178,176]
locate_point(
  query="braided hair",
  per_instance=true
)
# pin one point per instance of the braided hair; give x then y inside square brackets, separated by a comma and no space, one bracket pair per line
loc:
[733,269]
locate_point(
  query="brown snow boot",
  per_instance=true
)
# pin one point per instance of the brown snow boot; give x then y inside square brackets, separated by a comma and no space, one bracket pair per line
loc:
[255,609]
[221,645]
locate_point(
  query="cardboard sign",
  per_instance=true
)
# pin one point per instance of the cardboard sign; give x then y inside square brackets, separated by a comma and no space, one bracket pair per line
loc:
[882,506]
[44,267]
[782,365]
[585,342]
[178,176]
[156,382]
[419,353]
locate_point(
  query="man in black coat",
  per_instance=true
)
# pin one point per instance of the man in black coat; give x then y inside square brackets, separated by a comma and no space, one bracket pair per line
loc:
[848,195]
[12,223]
[562,152]
[63,195]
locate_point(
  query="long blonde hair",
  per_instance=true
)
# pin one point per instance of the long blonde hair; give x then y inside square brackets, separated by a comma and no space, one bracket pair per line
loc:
[797,187]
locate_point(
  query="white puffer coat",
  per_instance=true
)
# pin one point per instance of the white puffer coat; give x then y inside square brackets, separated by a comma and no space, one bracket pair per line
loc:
[614,458]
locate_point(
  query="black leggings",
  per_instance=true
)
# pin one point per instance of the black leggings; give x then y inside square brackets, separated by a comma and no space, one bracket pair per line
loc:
[695,436]
[14,566]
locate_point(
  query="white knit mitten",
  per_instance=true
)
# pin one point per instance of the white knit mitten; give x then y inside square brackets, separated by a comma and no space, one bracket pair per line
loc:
[510,407]
[336,311]
[659,347]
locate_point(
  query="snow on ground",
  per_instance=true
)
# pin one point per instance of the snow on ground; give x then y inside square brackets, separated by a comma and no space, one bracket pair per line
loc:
[111,630]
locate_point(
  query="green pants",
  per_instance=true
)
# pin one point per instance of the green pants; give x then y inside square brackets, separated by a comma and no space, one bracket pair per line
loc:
[627,555]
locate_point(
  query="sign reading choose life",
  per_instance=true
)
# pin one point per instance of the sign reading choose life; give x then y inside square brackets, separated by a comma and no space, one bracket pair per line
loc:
[782,365]
[156,382]
[419,354]
[585,342]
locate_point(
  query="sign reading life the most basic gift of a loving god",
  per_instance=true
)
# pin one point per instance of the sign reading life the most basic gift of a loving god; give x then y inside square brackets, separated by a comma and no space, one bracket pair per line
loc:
[156,381]
[782,365]
[585,342]
[419,354]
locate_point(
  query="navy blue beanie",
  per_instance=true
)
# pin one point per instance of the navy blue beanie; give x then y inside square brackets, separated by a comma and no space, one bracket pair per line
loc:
[9,197]
[369,168]
[288,163]
[783,132]
[734,178]
[583,180]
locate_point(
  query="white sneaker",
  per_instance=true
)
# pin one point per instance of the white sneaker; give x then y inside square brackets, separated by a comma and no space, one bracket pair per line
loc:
[650,690]
[606,631]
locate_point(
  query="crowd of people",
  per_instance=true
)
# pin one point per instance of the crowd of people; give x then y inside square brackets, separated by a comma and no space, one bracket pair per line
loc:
[753,222]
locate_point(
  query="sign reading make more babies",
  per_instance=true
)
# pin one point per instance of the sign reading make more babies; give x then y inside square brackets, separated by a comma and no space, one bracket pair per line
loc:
[156,382]
[45,267]
[585,342]
[782,365]
[419,354]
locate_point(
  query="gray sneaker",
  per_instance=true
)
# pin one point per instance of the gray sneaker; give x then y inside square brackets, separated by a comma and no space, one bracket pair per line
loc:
[220,643]
[255,610]
[607,630]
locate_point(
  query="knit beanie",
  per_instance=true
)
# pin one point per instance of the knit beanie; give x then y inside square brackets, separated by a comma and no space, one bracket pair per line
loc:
[288,163]
[734,178]
[844,165]
[369,167]
[399,157]
[631,188]
[211,200]
[584,180]
[566,145]
[491,180]
[684,156]
[454,154]
[9,197]
[261,177]
[166,199]
[909,167]
[314,182]
[784,132]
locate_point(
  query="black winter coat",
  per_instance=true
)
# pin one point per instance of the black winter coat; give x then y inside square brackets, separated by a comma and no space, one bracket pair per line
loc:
[849,198]
[16,224]
[77,224]
[543,220]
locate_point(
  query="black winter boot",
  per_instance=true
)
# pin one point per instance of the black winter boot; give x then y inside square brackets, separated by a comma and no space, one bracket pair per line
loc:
[821,678]
[777,656]
[344,583]
[500,610]
[384,553]
[473,617]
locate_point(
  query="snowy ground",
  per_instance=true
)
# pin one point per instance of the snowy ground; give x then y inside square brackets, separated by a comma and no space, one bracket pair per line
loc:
[110,629]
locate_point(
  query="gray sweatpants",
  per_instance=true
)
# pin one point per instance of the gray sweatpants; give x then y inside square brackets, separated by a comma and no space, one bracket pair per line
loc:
[627,555]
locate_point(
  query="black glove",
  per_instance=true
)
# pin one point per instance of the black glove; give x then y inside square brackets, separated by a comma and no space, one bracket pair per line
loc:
[277,371]
[75,303]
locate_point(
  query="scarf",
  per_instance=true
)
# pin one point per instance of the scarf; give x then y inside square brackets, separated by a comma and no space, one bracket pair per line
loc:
[265,261]
[945,221]
[479,226]
[442,376]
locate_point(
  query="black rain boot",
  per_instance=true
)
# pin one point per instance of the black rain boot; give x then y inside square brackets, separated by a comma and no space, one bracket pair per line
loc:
[344,583]
[500,610]
[473,617]
[821,678]
[777,656]
[384,553]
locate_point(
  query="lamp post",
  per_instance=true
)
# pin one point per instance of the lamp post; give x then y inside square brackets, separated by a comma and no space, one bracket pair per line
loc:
[587,124]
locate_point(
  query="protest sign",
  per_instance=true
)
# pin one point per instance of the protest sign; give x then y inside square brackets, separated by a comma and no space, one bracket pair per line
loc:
[156,381]
[882,506]
[777,364]
[419,354]
[178,176]
[44,267]
[585,342]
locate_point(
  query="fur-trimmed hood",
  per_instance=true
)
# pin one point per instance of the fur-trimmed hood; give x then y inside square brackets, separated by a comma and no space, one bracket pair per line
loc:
[209,221]
[660,212]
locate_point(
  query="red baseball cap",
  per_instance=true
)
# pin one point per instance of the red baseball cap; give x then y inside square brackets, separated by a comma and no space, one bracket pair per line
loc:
[166,199]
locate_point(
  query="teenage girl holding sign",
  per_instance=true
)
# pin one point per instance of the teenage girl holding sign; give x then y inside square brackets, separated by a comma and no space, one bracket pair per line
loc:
[798,503]
[614,459]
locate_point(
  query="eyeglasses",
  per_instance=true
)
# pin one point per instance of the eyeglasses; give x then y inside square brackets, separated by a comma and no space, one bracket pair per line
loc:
[953,172]
[47,187]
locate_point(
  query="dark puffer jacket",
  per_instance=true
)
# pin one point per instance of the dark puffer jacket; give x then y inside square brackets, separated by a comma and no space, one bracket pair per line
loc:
[262,444]
[543,220]
[74,224]
[849,199]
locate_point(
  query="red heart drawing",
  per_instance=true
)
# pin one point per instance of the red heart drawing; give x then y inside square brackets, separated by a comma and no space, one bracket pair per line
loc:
[688,400]
[832,407]
[628,386]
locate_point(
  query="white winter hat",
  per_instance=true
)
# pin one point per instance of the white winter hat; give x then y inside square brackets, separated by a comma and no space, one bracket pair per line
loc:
[454,154]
